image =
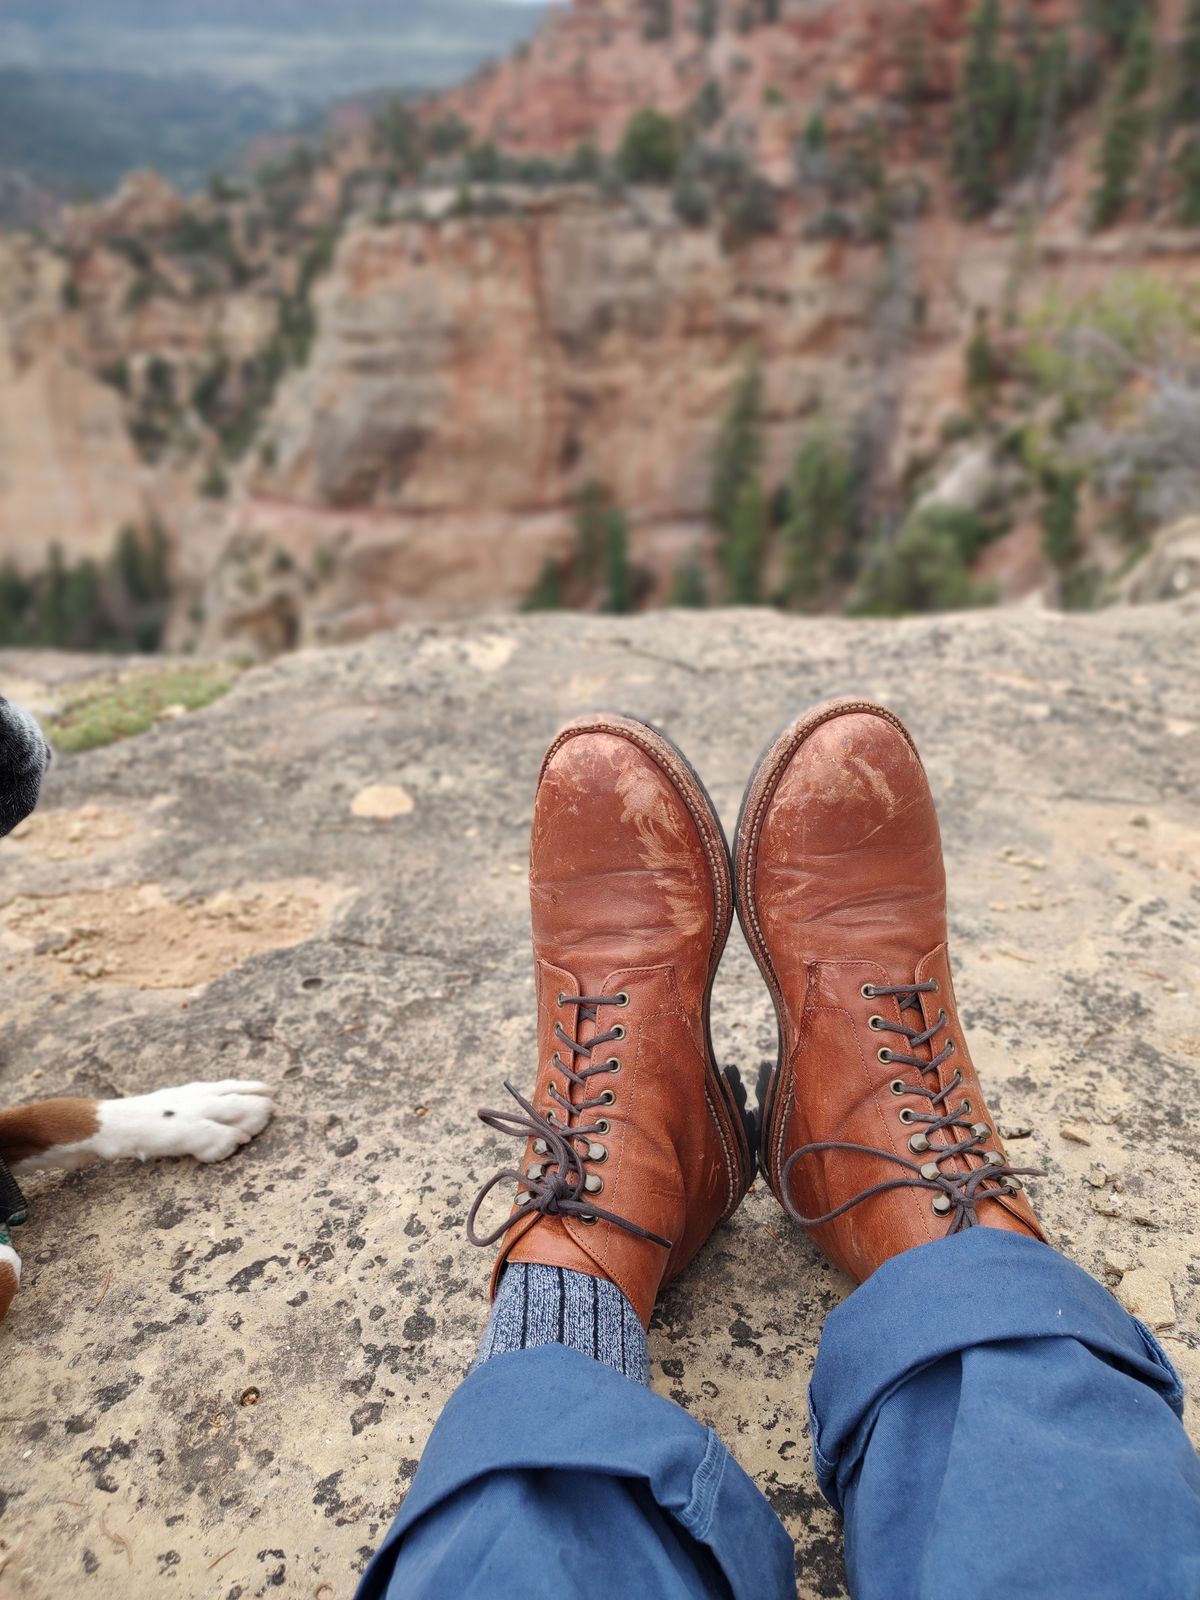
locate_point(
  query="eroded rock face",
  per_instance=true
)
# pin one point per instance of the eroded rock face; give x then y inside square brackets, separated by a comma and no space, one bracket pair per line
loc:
[485,363]
[334,858]
[466,361]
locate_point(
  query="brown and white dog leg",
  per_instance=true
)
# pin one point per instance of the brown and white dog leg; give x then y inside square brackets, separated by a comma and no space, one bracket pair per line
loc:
[205,1120]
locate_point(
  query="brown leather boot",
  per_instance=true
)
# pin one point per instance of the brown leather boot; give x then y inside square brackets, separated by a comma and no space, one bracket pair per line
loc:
[875,1134]
[637,1146]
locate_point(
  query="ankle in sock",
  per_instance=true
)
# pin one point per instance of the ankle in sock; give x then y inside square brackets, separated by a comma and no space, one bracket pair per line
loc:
[538,1305]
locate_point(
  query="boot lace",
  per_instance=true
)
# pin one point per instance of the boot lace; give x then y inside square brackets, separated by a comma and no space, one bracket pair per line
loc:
[562,1184]
[956,1194]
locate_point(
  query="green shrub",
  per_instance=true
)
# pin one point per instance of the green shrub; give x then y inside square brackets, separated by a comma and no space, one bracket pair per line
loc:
[925,568]
[650,148]
[750,210]
[692,201]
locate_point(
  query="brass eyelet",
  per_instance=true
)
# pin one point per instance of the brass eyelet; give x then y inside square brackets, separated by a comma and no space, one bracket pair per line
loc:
[965,1108]
[875,1023]
[540,1147]
[603,1125]
[884,1054]
[597,1153]
[898,1086]
[930,1171]
[608,1097]
[906,1114]
[941,1204]
[980,1130]
[950,1047]
[918,1144]
[535,1172]
[942,1017]
[619,1031]
[937,988]
[612,1064]
[562,998]
[591,1221]
[622,999]
[867,991]
[593,1184]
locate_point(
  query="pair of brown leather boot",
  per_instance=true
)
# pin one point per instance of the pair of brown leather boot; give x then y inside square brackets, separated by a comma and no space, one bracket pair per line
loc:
[874,1132]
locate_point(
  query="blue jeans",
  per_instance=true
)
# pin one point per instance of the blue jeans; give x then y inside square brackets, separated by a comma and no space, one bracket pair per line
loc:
[985,1417]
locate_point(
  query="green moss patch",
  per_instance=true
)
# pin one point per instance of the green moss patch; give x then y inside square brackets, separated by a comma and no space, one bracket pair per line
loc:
[112,708]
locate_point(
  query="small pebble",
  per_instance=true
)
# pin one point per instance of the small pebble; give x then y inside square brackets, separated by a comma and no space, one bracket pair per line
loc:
[1106,1205]
[1139,819]
[1097,1177]
[1143,1216]
[1074,1132]
[1015,1130]
[1118,1265]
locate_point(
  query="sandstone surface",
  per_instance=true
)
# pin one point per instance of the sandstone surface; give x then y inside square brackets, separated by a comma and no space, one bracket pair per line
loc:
[220,1379]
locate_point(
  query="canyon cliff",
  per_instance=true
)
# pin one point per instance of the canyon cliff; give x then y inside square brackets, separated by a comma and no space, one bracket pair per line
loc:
[370,388]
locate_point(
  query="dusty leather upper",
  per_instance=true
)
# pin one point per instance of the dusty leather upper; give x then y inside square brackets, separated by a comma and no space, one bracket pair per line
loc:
[844,887]
[631,896]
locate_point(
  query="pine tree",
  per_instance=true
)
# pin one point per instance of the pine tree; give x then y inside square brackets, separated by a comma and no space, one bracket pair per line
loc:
[16,598]
[738,453]
[1124,135]
[52,612]
[820,513]
[983,367]
[689,589]
[1189,177]
[1115,20]
[747,544]
[130,565]
[547,592]
[618,578]
[983,114]
[1187,101]
[1060,517]
[1040,100]
[591,511]
[85,623]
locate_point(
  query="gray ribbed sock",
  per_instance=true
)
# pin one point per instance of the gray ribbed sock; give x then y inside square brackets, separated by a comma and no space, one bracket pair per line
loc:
[552,1305]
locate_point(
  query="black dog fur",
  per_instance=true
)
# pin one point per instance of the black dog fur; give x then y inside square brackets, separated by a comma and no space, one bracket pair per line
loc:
[24,757]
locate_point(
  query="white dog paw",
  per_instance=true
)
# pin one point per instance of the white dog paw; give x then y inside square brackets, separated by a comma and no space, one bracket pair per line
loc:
[205,1120]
